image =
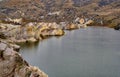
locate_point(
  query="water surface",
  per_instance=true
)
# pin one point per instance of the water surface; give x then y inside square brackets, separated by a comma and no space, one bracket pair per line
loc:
[90,52]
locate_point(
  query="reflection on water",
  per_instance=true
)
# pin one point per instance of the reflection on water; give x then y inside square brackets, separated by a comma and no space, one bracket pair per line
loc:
[90,52]
[29,45]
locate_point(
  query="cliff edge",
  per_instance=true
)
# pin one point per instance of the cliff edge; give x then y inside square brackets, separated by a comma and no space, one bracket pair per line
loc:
[13,65]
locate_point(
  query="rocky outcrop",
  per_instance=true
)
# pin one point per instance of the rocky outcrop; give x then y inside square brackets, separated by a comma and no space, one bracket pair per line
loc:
[13,65]
[30,32]
[71,26]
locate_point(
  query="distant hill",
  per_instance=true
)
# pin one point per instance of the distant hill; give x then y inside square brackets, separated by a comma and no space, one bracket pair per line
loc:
[69,9]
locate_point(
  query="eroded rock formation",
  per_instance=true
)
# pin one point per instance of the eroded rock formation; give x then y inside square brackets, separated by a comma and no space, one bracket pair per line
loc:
[30,32]
[13,65]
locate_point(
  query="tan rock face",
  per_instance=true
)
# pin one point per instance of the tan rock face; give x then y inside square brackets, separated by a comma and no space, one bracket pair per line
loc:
[30,32]
[71,27]
[13,65]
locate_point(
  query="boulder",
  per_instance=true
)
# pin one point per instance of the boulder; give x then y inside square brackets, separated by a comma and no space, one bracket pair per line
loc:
[82,25]
[58,32]
[71,27]
[82,21]
[89,22]
[15,47]
[117,27]
[20,41]
[32,39]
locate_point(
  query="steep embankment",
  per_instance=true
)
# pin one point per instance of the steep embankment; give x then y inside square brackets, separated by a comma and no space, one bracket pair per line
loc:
[13,65]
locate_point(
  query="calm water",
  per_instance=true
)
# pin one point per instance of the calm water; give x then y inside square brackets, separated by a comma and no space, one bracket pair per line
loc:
[90,52]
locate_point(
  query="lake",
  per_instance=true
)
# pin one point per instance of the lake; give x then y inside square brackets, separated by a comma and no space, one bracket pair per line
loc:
[89,52]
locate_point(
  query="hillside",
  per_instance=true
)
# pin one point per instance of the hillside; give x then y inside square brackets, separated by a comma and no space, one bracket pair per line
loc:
[60,10]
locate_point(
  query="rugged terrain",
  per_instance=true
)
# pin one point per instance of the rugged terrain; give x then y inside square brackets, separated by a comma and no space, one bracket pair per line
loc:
[32,20]
[13,65]
[107,11]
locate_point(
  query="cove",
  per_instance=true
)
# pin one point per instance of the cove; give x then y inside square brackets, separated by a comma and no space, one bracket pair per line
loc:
[89,52]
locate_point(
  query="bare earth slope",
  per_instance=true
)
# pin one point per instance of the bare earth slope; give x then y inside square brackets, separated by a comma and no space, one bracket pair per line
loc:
[108,10]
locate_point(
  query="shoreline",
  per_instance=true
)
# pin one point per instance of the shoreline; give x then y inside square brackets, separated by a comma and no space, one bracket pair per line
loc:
[9,37]
[13,65]
[32,32]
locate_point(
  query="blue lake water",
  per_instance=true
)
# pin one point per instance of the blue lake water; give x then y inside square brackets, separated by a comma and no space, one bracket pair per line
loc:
[89,52]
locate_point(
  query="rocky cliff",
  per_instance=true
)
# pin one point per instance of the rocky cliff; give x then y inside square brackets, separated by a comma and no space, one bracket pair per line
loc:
[13,65]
